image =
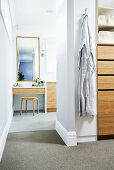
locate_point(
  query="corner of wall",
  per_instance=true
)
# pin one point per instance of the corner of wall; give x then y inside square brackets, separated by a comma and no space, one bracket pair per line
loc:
[69,138]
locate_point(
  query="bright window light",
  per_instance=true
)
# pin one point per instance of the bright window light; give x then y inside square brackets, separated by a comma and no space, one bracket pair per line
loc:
[6,17]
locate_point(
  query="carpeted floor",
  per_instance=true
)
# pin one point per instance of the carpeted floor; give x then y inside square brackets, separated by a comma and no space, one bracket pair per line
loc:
[44,150]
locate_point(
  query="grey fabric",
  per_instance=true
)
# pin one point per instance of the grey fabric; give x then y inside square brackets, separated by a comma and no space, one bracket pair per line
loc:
[86,70]
[44,150]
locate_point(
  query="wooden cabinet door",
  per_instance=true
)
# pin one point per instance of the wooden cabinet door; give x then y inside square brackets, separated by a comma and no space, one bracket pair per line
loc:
[51,97]
[105,113]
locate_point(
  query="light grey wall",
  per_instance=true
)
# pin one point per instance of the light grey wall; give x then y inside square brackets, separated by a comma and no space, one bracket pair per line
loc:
[7,76]
[65,64]
[86,126]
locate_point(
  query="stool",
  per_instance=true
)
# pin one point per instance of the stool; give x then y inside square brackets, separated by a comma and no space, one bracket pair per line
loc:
[29,98]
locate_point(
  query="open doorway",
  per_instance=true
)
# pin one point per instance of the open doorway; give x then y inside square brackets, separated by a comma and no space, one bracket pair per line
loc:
[35,62]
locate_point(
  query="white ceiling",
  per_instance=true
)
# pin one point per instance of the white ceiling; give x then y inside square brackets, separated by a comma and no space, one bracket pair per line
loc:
[36,14]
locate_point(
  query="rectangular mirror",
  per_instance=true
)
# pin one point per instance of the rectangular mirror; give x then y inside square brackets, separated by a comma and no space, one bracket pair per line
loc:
[28,58]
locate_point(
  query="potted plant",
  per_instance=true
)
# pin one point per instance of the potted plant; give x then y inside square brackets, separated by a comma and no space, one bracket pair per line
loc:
[21,76]
[39,81]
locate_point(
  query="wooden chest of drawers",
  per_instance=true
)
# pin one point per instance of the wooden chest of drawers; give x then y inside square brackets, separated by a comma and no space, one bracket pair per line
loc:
[105,90]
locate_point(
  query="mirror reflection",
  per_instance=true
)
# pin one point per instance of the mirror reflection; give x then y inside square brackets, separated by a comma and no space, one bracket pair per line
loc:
[28,58]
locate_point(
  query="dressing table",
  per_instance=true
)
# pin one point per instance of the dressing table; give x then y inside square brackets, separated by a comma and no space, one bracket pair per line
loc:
[28,89]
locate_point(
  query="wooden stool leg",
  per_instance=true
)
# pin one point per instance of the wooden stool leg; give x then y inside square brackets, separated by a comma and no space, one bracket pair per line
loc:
[37,107]
[21,107]
[33,109]
[26,105]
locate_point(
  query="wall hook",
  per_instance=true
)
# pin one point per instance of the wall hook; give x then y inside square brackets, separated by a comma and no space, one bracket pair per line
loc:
[85,10]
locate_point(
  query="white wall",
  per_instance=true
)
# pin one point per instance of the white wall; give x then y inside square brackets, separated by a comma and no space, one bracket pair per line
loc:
[85,126]
[6,80]
[5,75]
[65,69]
[46,62]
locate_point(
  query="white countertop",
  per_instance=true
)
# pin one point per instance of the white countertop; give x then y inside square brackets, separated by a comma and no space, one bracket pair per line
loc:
[29,85]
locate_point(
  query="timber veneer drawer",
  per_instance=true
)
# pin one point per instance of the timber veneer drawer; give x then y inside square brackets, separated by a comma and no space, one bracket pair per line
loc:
[105,52]
[28,91]
[105,113]
[105,67]
[105,82]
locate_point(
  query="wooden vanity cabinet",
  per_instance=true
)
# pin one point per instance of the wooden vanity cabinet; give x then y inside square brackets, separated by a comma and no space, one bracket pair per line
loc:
[51,97]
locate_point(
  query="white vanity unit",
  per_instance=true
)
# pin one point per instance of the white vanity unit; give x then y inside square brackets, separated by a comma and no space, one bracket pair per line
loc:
[28,90]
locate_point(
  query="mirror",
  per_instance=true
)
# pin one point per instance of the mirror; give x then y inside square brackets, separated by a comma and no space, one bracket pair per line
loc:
[28,58]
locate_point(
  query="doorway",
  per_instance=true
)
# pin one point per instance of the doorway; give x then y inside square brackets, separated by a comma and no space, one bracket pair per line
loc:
[35,20]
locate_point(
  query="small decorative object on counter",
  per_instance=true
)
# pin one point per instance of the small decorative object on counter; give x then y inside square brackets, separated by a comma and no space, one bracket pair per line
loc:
[39,81]
[17,85]
[35,85]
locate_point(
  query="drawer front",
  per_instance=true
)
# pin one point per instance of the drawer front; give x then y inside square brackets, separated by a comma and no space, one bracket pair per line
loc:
[105,52]
[51,86]
[51,97]
[28,91]
[105,113]
[105,82]
[105,67]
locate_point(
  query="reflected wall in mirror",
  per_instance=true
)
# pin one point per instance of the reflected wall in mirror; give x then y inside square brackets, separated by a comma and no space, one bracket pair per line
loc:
[28,58]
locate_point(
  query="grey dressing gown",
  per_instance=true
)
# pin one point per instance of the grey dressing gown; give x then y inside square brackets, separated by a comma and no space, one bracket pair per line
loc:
[86,69]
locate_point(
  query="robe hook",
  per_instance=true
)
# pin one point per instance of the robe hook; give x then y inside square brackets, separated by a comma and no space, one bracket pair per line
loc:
[85,10]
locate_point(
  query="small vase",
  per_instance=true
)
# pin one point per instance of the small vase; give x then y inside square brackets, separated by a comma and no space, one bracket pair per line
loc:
[40,84]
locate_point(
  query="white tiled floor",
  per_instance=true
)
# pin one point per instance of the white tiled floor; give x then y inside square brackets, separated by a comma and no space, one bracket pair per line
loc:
[28,122]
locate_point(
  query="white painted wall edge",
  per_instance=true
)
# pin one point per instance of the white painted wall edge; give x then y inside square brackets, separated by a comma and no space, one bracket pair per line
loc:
[81,139]
[69,138]
[5,134]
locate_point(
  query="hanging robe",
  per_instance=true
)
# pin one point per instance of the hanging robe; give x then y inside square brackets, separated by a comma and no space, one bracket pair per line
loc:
[86,70]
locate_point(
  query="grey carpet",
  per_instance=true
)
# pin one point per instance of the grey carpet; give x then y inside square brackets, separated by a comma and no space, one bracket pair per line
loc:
[44,150]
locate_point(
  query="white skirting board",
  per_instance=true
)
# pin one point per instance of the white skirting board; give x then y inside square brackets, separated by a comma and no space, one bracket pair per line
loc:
[69,138]
[81,139]
[4,134]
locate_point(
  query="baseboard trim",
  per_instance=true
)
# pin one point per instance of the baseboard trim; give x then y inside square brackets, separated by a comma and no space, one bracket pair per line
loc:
[5,134]
[69,138]
[105,137]
[81,139]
